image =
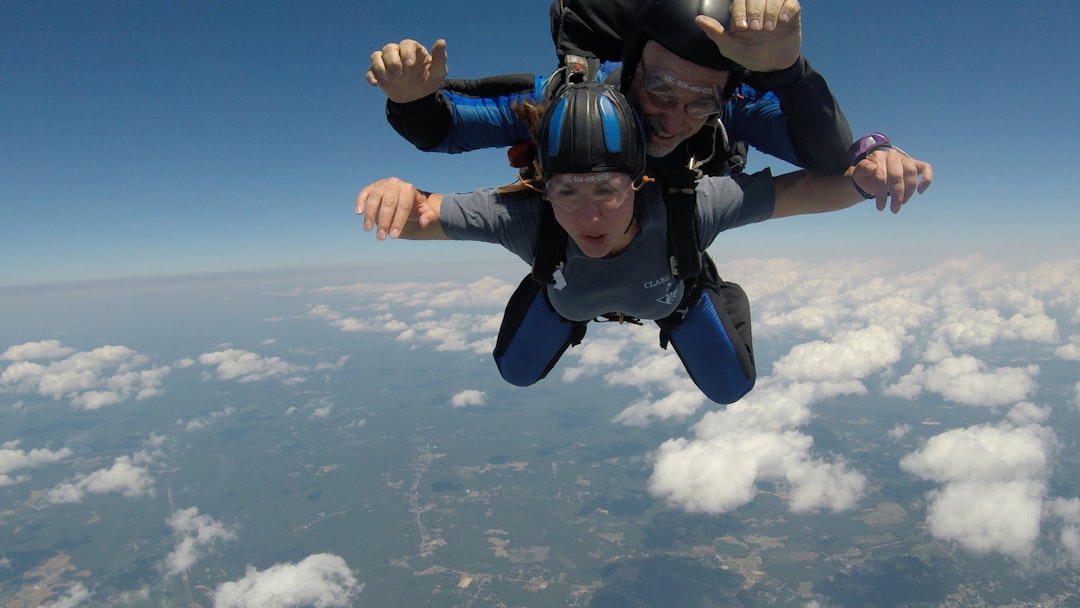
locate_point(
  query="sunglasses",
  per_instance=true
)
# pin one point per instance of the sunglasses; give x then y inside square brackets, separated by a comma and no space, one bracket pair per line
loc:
[658,85]
[569,192]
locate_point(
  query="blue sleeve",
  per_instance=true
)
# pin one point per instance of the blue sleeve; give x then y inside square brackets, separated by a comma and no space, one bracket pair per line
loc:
[489,121]
[756,119]
[478,122]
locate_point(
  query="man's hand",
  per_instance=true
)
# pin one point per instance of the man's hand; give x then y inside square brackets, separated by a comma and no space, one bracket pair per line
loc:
[406,71]
[889,173]
[763,35]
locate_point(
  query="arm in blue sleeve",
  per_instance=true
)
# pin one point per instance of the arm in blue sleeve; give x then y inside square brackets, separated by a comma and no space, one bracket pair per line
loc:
[466,115]
[817,129]
[756,119]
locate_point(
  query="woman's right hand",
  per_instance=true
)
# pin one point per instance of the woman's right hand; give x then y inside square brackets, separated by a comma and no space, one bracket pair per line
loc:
[396,208]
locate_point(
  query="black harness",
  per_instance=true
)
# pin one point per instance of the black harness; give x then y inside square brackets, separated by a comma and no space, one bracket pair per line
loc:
[685,257]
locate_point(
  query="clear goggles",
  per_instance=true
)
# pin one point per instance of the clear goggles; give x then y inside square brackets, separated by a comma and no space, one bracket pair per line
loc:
[569,192]
[660,87]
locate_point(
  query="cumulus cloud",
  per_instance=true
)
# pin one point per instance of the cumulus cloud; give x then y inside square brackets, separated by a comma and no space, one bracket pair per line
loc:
[994,481]
[89,380]
[128,476]
[849,355]
[967,327]
[899,431]
[967,380]
[194,533]
[45,349]
[13,459]
[752,442]
[409,310]
[486,291]
[1070,351]
[322,580]
[1068,512]
[245,366]
[469,397]
[197,424]
[76,595]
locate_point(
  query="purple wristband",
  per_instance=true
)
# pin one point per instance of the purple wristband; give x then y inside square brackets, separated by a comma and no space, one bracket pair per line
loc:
[867,144]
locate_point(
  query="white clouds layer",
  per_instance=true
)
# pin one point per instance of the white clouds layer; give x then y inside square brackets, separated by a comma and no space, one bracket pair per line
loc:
[194,534]
[89,380]
[322,581]
[967,331]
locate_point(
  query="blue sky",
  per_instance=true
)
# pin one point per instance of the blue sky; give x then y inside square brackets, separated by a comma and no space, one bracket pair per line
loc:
[146,139]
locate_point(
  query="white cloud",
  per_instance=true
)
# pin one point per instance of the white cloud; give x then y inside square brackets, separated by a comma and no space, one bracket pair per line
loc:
[245,366]
[194,533]
[45,349]
[1068,511]
[967,380]
[899,431]
[76,595]
[13,459]
[125,476]
[1027,413]
[994,483]
[755,441]
[322,580]
[984,517]
[469,397]
[679,404]
[486,291]
[968,327]
[980,453]
[1070,351]
[89,380]
[197,424]
[850,355]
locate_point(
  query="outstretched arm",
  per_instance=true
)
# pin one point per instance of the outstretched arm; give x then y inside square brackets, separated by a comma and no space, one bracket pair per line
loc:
[765,38]
[440,115]
[399,210]
[406,71]
[803,192]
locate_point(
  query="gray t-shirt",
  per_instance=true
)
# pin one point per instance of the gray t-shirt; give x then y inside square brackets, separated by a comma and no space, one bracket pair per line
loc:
[637,281]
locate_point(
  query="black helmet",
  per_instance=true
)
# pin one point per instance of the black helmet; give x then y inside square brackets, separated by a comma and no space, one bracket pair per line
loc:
[671,24]
[590,128]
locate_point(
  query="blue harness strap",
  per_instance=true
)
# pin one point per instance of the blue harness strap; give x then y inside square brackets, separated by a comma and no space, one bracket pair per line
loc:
[532,335]
[713,340]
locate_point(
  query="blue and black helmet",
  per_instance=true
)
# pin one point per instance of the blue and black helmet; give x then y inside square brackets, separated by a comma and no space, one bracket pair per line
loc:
[590,128]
